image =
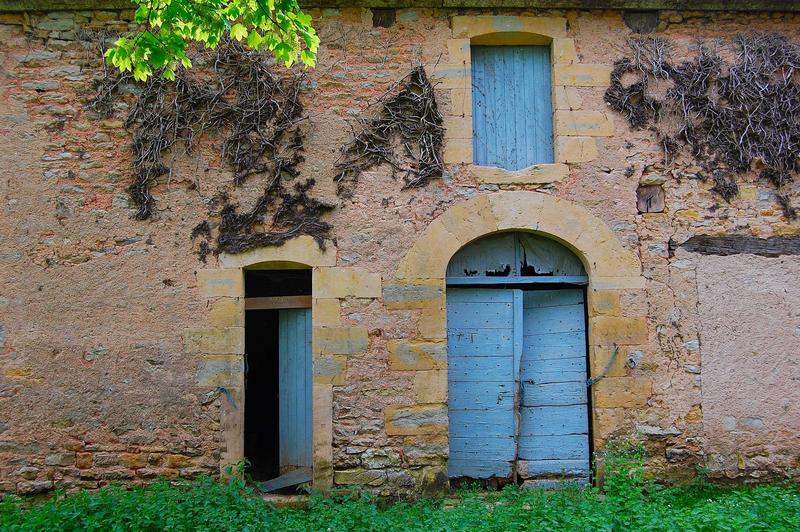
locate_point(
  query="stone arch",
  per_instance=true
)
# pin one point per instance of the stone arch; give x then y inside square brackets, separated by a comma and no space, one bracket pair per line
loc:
[613,270]
[608,264]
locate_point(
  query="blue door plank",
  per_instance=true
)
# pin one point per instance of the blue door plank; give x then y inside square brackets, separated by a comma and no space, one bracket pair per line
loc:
[554,376]
[512,106]
[565,447]
[481,315]
[553,420]
[469,466]
[543,124]
[535,370]
[466,423]
[483,445]
[294,388]
[480,395]
[553,394]
[552,298]
[549,320]
[480,369]
[469,296]
[549,353]
[478,342]
[558,467]
[575,340]
[479,118]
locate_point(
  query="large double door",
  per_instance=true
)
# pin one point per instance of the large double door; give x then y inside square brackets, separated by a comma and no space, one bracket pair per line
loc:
[517,383]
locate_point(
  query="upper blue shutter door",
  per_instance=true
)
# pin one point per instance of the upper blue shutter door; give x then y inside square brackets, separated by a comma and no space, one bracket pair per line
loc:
[512,117]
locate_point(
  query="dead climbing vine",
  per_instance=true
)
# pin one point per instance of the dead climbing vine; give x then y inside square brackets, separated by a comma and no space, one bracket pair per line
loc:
[259,114]
[408,116]
[735,106]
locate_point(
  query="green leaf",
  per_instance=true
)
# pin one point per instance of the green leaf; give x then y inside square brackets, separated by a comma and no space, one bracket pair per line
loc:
[308,58]
[238,32]
[254,40]
[276,25]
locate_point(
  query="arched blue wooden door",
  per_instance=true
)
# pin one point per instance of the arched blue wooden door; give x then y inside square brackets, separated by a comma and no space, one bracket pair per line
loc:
[517,361]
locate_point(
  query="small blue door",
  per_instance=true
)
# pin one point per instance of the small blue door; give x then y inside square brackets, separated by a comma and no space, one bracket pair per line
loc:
[484,337]
[294,389]
[554,427]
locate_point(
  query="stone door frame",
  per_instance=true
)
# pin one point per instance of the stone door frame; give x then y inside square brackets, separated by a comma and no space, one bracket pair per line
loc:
[420,285]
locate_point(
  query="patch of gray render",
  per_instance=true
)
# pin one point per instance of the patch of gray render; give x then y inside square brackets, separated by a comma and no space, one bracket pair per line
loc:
[412,419]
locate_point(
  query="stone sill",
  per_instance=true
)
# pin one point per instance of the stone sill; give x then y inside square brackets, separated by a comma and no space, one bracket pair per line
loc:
[672,5]
[538,174]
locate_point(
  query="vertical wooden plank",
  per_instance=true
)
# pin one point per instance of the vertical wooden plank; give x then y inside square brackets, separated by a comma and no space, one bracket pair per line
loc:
[508,137]
[518,330]
[521,130]
[529,109]
[493,123]
[544,106]
[294,388]
[478,104]
[512,106]
[308,393]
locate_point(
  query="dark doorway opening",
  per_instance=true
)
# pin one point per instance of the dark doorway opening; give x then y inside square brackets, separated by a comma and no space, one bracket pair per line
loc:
[274,283]
[277,410]
[261,393]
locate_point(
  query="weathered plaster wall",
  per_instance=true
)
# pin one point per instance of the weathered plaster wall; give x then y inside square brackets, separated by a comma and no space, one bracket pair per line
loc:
[100,379]
[750,308]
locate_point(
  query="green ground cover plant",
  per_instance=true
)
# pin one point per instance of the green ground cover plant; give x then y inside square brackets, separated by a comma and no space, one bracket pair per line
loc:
[627,502]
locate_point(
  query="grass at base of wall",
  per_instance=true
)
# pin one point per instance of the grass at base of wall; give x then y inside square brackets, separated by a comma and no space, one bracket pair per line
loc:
[208,505]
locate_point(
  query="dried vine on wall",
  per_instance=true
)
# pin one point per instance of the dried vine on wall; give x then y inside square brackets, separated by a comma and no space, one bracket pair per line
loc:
[409,116]
[259,114]
[735,106]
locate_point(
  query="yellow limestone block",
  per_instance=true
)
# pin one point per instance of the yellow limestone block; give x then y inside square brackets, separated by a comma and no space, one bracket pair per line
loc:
[582,75]
[226,282]
[610,330]
[583,123]
[621,392]
[431,386]
[212,341]
[575,149]
[339,282]
[226,312]
[416,419]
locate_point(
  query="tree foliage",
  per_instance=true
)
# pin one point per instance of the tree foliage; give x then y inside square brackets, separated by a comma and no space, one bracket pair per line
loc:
[279,26]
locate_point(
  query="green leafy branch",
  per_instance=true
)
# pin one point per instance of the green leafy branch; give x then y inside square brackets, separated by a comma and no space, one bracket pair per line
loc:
[279,26]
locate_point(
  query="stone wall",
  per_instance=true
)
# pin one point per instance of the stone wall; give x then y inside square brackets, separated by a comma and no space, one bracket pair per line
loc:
[108,370]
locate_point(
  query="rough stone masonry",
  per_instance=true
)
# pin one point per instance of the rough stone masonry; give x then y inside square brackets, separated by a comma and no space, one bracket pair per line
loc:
[115,340]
